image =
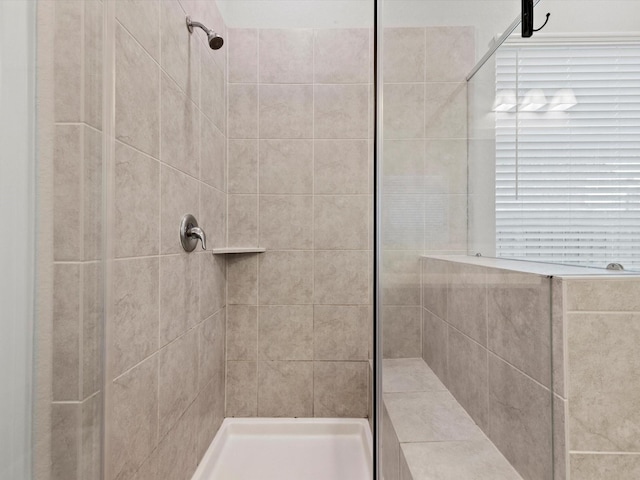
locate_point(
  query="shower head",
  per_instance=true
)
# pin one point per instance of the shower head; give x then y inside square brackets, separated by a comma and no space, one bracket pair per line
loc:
[215,40]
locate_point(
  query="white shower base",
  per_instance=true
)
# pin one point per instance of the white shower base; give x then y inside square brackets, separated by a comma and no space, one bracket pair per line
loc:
[289,449]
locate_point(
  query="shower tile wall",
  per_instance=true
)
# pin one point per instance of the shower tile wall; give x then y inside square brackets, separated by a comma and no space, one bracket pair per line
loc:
[167,313]
[424,167]
[299,315]
[77,247]
[487,335]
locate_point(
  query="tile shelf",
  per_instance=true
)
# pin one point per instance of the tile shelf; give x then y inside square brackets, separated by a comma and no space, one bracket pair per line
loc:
[230,250]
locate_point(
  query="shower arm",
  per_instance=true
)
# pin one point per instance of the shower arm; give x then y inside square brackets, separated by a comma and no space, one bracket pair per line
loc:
[191,24]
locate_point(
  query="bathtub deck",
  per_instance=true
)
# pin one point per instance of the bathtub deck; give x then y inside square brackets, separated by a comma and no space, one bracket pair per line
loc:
[289,449]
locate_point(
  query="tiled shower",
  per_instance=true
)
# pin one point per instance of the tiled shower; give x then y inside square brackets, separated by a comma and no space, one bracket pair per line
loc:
[349,163]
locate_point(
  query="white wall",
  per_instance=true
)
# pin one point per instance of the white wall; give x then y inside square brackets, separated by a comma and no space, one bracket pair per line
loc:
[17,178]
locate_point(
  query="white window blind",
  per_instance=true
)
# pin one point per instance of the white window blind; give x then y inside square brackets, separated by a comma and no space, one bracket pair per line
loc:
[568,182]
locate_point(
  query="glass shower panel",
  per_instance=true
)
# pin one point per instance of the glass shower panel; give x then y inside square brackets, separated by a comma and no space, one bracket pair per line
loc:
[466,343]
[563,186]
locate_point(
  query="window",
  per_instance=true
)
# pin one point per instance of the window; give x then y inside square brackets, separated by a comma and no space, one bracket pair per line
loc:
[568,153]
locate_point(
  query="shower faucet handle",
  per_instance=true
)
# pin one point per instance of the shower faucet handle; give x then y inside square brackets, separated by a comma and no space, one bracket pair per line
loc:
[198,233]
[190,233]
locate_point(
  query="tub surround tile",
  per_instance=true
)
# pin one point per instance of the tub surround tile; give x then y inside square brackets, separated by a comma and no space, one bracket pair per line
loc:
[598,466]
[243,166]
[402,375]
[341,167]
[341,111]
[477,459]
[338,55]
[178,196]
[429,416]
[243,55]
[286,55]
[454,63]
[286,111]
[435,340]
[603,384]
[242,332]
[179,298]
[285,332]
[286,278]
[286,222]
[243,111]
[519,319]
[341,332]
[286,166]
[401,331]
[285,389]
[242,389]
[404,55]
[520,422]
[466,301]
[340,389]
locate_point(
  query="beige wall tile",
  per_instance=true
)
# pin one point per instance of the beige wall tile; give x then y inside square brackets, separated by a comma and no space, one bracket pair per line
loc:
[243,166]
[147,32]
[285,332]
[92,194]
[402,332]
[453,63]
[476,459]
[390,448]
[243,111]
[404,55]
[134,432]
[178,379]
[211,350]
[286,166]
[341,332]
[519,321]
[93,68]
[286,222]
[401,277]
[180,132]
[446,223]
[242,332]
[179,295]
[341,55]
[403,166]
[446,166]
[136,203]
[340,389]
[212,283]
[560,453]
[435,280]
[91,460]
[243,55]
[467,376]
[404,112]
[243,220]
[341,111]
[242,389]
[467,300]
[213,217]
[403,222]
[179,195]
[558,335]
[67,58]
[520,420]
[213,155]
[66,332]
[286,55]
[137,96]
[286,111]
[67,185]
[180,50]
[177,455]
[210,413]
[341,166]
[446,110]
[285,389]
[610,295]
[213,92]
[92,328]
[603,385]
[435,338]
[242,279]
[341,278]
[136,310]
[341,222]
[585,466]
[66,428]
[286,278]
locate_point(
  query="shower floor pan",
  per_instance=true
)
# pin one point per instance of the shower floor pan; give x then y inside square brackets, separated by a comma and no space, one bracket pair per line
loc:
[289,449]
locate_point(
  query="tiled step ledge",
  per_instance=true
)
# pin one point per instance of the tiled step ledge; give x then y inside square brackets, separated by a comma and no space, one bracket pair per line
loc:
[428,435]
[537,268]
